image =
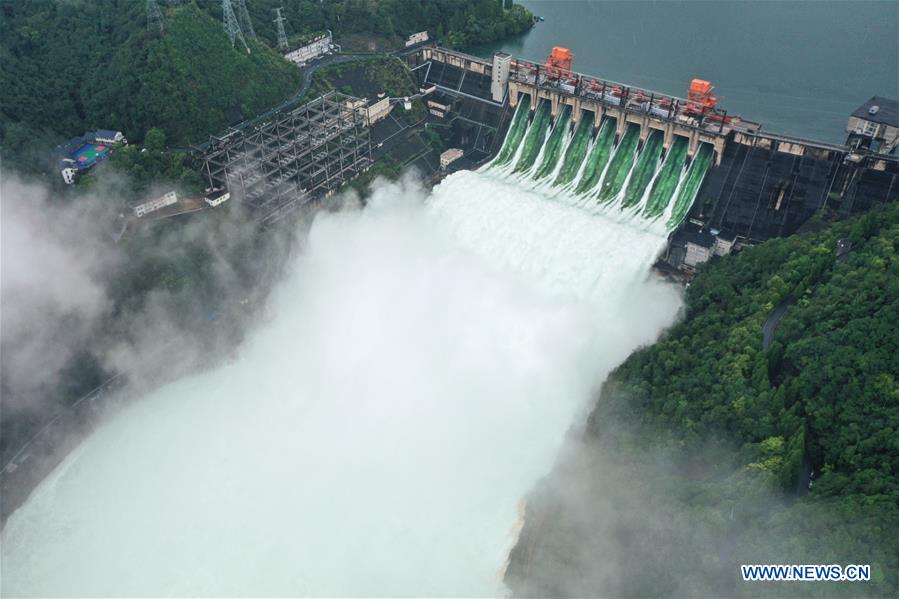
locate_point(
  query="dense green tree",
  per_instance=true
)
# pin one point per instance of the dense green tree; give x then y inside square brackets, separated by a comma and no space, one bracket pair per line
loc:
[70,66]
[698,453]
[154,140]
[826,392]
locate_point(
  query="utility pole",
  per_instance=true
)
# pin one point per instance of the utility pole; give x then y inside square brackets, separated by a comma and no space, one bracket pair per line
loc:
[244,17]
[282,36]
[231,26]
[155,22]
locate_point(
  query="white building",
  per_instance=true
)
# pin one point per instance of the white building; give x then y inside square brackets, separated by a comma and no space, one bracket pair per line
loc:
[68,175]
[358,104]
[502,62]
[700,246]
[317,48]
[218,197]
[417,38]
[379,110]
[438,109]
[375,112]
[155,204]
[450,156]
[106,136]
[724,243]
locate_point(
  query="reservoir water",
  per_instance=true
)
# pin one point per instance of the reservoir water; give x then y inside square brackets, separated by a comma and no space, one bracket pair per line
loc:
[797,67]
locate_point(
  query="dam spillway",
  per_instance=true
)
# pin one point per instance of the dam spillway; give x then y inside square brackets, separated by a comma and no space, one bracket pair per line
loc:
[667,179]
[598,157]
[599,172]
[620,166]
[554,145]
[576,151]
[757,185]
[645,169]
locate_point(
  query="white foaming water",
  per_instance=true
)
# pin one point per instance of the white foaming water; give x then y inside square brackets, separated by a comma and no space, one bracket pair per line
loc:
[377,435]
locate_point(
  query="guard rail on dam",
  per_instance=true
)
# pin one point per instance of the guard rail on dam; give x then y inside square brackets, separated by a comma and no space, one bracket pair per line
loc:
[279,160]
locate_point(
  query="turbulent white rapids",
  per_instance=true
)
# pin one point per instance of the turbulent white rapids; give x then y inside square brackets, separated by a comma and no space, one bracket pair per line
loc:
[423,362]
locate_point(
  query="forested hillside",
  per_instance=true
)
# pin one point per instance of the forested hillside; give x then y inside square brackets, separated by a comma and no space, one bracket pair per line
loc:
[77,65]
[455,22]
[700,449]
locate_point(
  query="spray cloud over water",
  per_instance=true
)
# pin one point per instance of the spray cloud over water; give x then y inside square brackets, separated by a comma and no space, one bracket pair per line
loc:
[52,287]
[422,364]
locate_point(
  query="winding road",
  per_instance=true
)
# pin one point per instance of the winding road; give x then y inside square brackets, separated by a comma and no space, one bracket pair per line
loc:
[770,326]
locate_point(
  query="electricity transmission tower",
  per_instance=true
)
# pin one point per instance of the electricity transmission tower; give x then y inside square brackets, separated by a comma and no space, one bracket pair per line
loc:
[155,21]
[244,17]
[231,26]
[282,36]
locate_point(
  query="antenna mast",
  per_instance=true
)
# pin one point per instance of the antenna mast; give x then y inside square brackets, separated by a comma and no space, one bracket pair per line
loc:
[282,36]
[155,21]
[231,26]
[244,17]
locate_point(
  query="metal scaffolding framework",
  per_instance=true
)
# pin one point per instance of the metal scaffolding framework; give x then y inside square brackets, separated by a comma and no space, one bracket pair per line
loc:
[278,162]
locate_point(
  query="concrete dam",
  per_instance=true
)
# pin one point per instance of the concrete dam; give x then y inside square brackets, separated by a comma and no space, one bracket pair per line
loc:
[709,175]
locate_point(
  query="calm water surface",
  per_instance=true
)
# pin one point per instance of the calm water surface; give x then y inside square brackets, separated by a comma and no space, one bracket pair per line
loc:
[796,67]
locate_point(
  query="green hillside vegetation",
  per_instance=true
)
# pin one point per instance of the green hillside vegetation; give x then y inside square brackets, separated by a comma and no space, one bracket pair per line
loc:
[77,65]
[707,433]
[830,380]
[142,169]
[456,23]
[71,67]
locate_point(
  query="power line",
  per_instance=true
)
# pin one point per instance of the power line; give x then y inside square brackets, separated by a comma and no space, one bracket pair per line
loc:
[155,22]
[244,17]
[282,36]
[231,26]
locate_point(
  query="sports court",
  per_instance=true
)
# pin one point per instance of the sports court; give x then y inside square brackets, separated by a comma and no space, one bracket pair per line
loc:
[88,154]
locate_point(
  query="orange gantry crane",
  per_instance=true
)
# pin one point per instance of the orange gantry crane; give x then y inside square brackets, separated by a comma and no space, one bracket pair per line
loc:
[560,63]
[700,96]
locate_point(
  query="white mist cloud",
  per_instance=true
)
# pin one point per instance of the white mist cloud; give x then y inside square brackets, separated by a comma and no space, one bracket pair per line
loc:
[418,374]
[52,291]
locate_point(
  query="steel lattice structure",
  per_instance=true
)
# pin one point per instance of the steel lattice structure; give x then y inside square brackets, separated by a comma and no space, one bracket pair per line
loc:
[155,22]
[243,17]
[282,159]
[282,36]
[231,26]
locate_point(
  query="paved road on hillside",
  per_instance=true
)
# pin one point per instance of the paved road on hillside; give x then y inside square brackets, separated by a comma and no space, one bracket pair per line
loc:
[770,326]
